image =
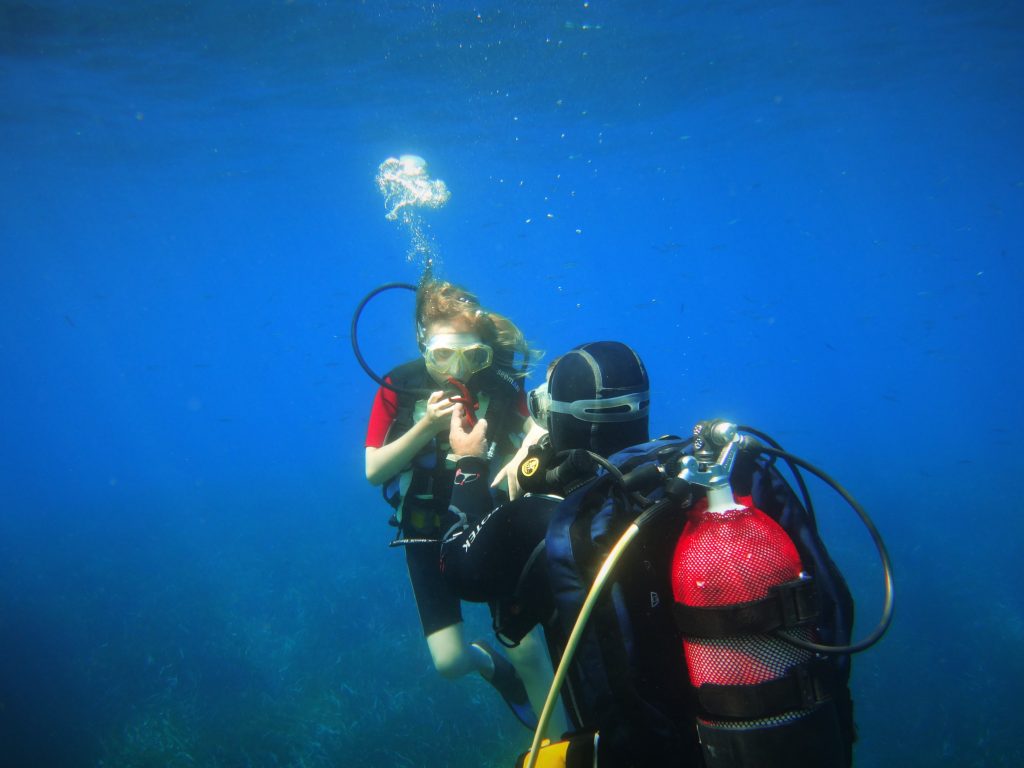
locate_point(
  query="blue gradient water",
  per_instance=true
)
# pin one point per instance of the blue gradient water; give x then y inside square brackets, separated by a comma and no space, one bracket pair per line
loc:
[806,217]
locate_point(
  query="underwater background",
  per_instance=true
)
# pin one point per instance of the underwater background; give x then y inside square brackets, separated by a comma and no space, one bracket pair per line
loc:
[806,216]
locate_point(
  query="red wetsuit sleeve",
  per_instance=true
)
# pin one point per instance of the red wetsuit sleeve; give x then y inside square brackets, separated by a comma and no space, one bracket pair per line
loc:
[382,416]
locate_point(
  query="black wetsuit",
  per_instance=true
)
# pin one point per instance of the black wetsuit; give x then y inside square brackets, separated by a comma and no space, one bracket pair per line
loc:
[497,557]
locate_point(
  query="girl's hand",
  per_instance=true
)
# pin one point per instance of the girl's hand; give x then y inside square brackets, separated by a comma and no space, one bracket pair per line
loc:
[439,411]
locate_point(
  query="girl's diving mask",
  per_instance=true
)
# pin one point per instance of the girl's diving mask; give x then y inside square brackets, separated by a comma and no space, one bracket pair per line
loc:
[458,355]
[609,409]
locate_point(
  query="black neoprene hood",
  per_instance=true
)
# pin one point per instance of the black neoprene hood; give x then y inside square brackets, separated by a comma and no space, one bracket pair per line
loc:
[599,370]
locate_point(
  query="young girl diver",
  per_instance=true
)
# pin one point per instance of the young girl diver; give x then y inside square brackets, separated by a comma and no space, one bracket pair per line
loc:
[468,358]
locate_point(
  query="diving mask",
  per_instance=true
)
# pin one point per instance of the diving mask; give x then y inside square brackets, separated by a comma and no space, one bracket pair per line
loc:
[538,401]
[458,355]
[609,409]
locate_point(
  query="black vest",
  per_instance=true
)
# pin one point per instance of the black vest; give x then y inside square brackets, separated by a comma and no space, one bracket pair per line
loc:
[421,492]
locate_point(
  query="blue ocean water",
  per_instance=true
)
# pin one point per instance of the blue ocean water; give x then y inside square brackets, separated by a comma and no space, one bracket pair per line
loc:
[806,217]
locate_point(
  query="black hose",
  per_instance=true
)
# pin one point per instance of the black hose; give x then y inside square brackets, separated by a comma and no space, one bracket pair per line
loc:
[355,340]
[887,608]
[808,505]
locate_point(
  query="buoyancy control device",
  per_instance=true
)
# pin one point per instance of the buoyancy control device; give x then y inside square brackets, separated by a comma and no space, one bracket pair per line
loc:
[763,617]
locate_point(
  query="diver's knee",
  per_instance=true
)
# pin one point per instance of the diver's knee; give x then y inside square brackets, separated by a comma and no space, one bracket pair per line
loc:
[449,667]
[448,653]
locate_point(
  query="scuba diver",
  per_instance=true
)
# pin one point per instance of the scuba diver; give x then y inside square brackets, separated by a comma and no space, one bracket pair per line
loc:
[468,360]
[596,399]
[665,655]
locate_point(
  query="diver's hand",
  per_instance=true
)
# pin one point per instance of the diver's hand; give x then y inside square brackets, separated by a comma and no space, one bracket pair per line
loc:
[465,441]
[439,411]
[510,471]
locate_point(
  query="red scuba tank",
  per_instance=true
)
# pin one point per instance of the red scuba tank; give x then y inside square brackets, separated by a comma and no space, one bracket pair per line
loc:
[744,606]
[731,553]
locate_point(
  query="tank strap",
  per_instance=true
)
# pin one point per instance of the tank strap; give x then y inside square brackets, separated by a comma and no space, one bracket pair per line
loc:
[792,604]
[811,741]
[804,686]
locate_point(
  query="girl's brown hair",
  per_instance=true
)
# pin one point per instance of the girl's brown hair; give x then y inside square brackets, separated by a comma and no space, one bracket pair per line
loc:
[442,301]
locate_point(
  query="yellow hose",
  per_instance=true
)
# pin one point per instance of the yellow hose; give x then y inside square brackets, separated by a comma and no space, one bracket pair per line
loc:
[574,638]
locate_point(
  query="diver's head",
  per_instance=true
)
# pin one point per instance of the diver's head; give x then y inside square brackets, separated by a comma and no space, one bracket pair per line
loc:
[457,336]
[597,398]
[438,301]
